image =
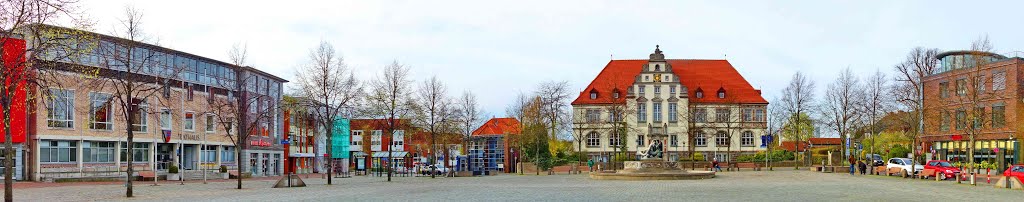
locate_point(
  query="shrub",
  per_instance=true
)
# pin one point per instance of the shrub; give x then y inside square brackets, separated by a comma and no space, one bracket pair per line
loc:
[172,169]
[897,151]
[223,168]
[697,156]
[623,157]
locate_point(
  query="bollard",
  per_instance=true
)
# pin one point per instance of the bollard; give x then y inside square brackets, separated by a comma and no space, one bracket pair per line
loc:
[937,176]
[957,176]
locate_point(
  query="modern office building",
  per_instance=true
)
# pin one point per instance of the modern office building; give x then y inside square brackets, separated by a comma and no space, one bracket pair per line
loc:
[491,149]
[76,130]
[973,94]
[688,105]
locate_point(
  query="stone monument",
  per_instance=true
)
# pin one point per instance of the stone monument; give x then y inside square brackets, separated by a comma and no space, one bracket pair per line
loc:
[651,166]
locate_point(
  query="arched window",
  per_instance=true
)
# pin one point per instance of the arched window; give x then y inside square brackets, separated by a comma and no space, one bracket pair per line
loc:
[699,139]
[721,139]
[657,67]
[699,93]
[614,140]
[747,139]
[593,139]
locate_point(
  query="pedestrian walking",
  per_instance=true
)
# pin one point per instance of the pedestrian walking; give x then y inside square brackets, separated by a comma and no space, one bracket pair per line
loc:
[853,164]
[714,163]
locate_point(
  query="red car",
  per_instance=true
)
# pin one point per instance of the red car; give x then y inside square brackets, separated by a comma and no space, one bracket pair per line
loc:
[944,167]
[1016,171]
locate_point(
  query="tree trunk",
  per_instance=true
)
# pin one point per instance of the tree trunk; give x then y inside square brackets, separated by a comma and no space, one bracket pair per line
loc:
[131,146]
[330,157]
[238,161]
[8,150]
[433,154]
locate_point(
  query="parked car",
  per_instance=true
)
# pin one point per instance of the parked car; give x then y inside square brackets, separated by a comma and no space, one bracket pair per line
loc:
[438,169]
[875,159]
[1015,171]
[904,164]
[944,167]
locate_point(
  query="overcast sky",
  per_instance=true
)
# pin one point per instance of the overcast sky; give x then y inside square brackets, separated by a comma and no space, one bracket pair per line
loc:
[497,49]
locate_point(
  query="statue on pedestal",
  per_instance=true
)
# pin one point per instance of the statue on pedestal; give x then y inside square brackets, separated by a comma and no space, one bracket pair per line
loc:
[653,152]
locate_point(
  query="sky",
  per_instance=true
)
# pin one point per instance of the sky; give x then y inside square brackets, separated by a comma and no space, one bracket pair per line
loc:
[497,49]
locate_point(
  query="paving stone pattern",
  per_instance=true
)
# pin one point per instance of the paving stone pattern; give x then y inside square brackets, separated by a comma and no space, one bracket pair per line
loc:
[785,185]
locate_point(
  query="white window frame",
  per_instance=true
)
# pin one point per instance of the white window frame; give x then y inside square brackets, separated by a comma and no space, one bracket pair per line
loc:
[747,139]
[593,139]
[211,124]
[700,139]
[169,119]
[93,100]
[186,122]
[143,111]
[66,97]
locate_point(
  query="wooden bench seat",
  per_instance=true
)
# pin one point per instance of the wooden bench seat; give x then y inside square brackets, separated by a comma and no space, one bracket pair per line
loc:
[752,166]
[147,174]
[926,173]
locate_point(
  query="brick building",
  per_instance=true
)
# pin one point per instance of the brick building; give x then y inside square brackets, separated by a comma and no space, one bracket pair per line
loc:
[973,94]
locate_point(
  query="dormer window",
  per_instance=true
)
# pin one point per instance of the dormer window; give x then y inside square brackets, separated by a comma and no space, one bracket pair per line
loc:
[721,93]
[615,94]
[699,93]
[593,95]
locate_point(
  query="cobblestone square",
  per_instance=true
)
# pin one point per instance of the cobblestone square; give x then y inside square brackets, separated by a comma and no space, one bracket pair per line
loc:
[779,185]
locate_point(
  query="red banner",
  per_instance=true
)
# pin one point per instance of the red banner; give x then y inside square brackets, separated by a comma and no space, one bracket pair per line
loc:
[13,63]
[957,137]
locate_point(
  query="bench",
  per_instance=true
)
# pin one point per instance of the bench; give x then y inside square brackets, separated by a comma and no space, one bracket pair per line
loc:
[926,173]
[752,166]
[894,171]
[147,174]
[880,170]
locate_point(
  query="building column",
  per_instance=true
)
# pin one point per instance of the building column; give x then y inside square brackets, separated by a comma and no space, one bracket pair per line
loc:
[117,155]
[35,161]
[81,168]
[217,158]
[175,156]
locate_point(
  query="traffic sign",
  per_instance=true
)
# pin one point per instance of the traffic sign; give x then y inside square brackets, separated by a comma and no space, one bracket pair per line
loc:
[285,141]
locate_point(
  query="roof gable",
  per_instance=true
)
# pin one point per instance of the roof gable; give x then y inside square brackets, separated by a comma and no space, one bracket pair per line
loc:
[498,126]
[694,74]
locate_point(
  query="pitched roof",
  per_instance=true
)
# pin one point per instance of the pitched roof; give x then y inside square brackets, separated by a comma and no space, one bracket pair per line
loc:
[694,74]
[498,126]
[825,141]
[791,146]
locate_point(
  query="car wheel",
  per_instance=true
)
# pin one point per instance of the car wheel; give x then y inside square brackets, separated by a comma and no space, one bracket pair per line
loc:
[942,177]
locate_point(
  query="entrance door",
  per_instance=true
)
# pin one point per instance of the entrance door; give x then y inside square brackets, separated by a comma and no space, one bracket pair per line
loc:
[163,156]
[189,158]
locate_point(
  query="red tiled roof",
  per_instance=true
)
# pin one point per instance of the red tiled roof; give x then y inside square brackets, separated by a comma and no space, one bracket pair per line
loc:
[498,126]
[790,146]
[825,141]
[709,75]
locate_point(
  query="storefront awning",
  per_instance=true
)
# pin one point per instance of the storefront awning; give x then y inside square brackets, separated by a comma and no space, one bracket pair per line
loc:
[359,153]
[301,155]
[394,154]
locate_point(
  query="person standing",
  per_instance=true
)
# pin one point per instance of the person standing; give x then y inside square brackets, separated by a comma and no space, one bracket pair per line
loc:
[863,167]
[853,164]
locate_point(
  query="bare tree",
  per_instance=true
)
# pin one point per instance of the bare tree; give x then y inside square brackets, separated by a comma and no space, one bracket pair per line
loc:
[435,111]
[23,38]
[776,118]
[841,103]
[554,96]
[469,115]
[239,106]
[909,90]
[390,99]
[328,82]
[518,110]
[797,99]
[876,105]
[133,74]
